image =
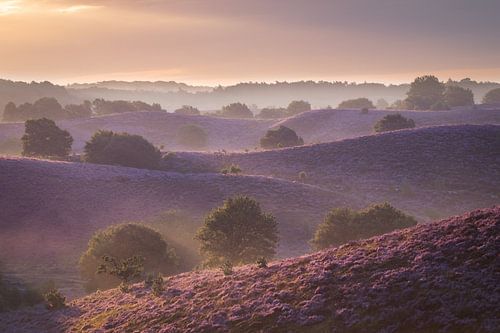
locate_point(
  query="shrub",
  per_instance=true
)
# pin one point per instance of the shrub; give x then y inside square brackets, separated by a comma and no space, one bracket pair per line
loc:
[425,91]
[280,137]
[124,269]
[16,295]
[439,106]
[55,299]
[192,136]
[236,110]
[238,232]
[158,285]
[302,176]
[188,110]
[232,169]
[227,268]
[492,97]
[83,110]
[148,280]
[106,147]
[103,107]
[296,107]
[343,225]
[122,242]
[393,122]
[43,138]
[358,103]
[262,262]
[272,113]
[381,104]
[458,96]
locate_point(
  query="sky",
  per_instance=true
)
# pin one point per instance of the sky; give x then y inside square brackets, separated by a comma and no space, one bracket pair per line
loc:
[228,41]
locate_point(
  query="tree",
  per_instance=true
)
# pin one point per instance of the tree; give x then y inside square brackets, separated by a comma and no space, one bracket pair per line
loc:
[188,110]
[236,110]
[458,96]
[296,107]
[115,248]
[83,110]
[280,137]
[492,97]
[272,113]
[10,112]
[192,136]
[358,103]
[42,138]
[382,104]
[425,91]
[343,225]
[48,107]
[238,232]
[393,122]
[107,147]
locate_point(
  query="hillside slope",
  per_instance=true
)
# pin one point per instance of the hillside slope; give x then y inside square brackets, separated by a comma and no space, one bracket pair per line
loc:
[49,210]
[430,172]
[437,277]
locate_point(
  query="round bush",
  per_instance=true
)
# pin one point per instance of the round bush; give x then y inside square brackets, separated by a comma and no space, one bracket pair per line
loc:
[296,107]
[492,97]
[43,138]
[106,147]
[358,103]
[236,110]
[393,122]
[343,225]
[458,96]
[192,136]
[188,110]
[122,242]
[280,137]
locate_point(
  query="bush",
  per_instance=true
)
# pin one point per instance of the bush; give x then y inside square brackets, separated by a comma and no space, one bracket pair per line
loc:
[19,295]
[393,122]
[103,107]
[83,110]
[227,268]
[188,110]
[439,106]
[262,262]
[121,242]
[106,147]
[55,300]
[281,137]
[425,91]
[296,107]
[343,225]
[492,97]
[11,146]
[236,110]
[458,96]
[43,138]
[238,232]
[382,104]
[124,269]
[232,169]
[273,113]
[302,176]
[358,103]
[158,286]
[192,136]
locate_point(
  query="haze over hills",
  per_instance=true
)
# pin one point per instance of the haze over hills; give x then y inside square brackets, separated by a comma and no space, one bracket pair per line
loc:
[436,277]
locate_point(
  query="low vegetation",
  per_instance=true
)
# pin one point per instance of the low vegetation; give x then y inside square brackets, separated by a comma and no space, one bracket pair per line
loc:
[280,137]
[231,169]
[107,147]
[272,113]
[358,103]
[54,299]
[101,106]
[117,249]
[393,122]
[188,110]
[343,225]
[42,138]
[238,232]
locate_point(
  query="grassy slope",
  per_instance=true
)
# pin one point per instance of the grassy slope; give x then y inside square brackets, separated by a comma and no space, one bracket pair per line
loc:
[436,277]
[431,172]
[49,210]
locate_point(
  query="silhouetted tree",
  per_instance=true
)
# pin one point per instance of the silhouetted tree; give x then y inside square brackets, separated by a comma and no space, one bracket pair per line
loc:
[188,110]
[236,110]
[83,110]
[237,232]
[281,137]
[382,104]
[343,225]
[492,97]
[43,138]
[424,92]
[458,96]
[10,112]
[272,113]
[358,103]
[192,136]
[115,245]
[107,147]
[393,122]
[296,107]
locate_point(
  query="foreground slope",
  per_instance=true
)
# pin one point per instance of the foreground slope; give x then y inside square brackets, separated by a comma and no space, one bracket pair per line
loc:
[437,277]
[49,210]
[430,172]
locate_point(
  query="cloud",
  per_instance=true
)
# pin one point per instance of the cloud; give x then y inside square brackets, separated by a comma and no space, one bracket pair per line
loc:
[76,8]
[9,7]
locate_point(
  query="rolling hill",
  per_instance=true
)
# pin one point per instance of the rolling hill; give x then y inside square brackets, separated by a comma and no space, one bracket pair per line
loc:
[436,277]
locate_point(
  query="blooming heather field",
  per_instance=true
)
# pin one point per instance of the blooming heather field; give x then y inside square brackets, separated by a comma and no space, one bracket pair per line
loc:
[437,277]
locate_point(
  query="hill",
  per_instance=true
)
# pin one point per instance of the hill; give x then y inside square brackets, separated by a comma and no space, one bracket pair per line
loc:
[49,210]
[239,134]
[430,172]
[436,277]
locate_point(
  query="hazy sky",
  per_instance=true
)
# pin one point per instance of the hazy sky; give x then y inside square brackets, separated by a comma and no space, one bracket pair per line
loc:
[224,41]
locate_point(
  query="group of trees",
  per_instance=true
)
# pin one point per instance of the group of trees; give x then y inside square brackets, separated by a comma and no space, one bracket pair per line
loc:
[393,122]
[280,137]
[48,107]
[240,110]
[358,103]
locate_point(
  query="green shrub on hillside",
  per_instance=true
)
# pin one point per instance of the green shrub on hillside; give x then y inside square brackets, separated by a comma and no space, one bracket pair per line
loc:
[238,232]
[120,243]
[393,122]
[358,103]
[106,147]
[42,138]
[54,299]
[123,269]
[232,169]
[343,225]
[280,137]
[192,136]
